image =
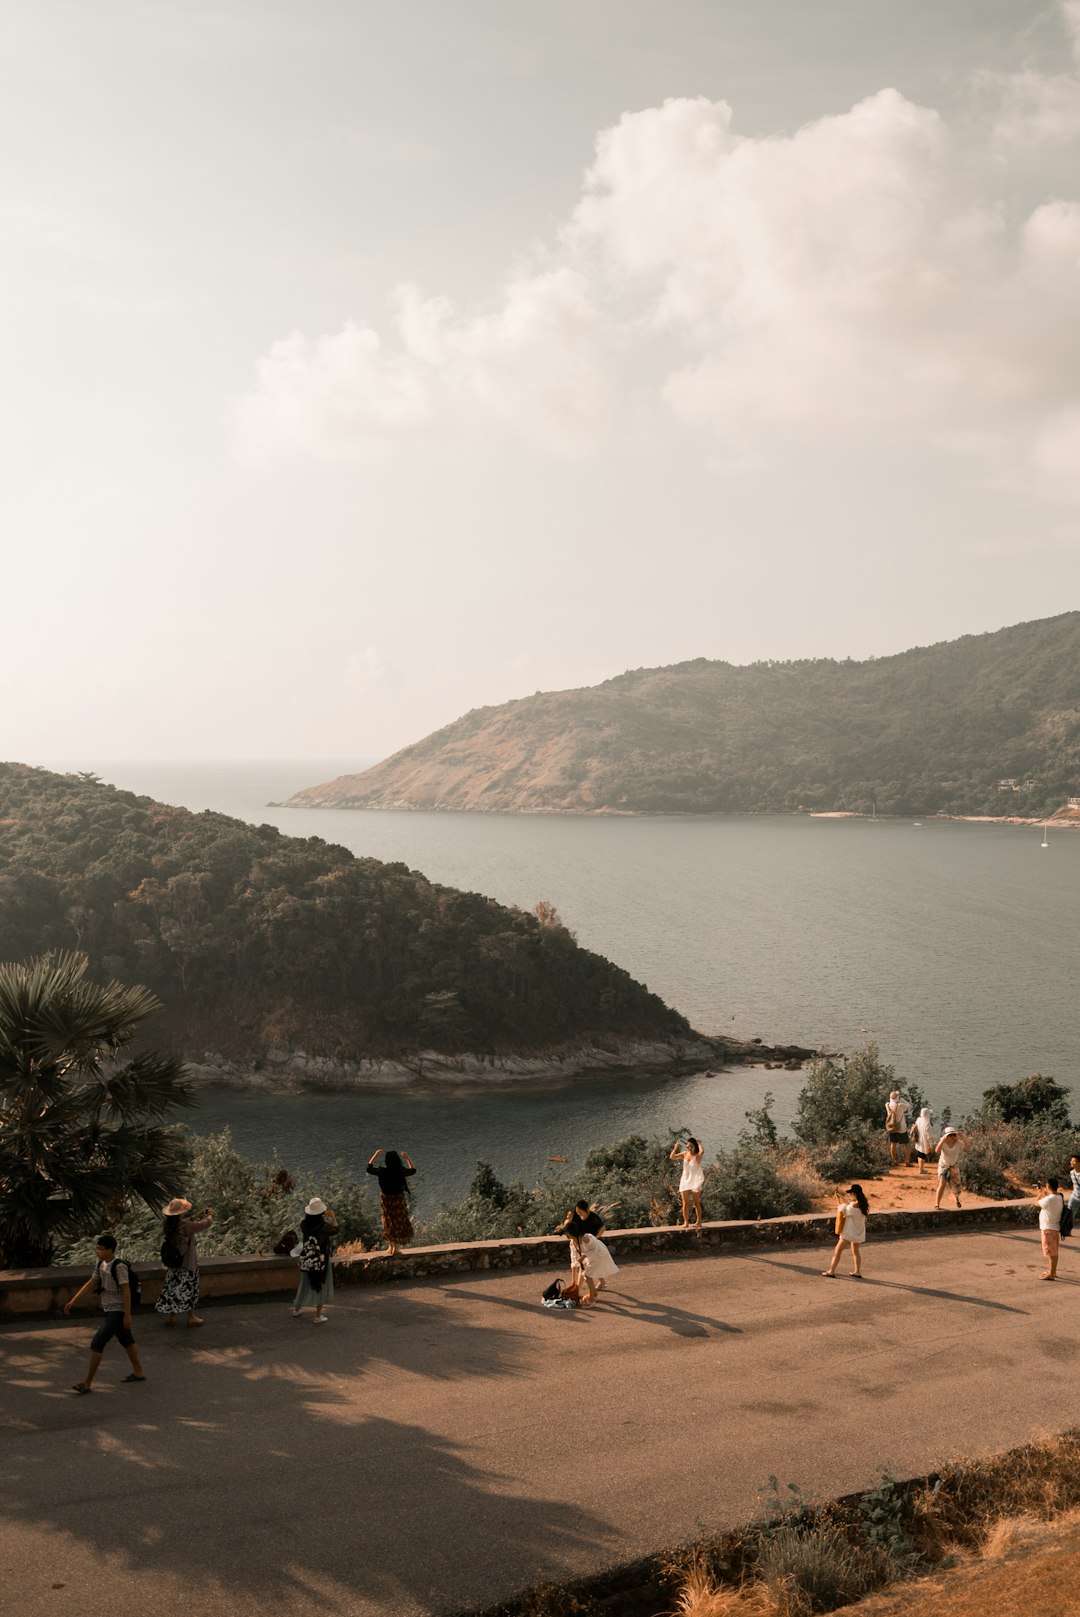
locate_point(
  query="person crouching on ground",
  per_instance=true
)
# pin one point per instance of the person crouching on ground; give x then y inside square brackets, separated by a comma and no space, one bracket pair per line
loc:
[180,1255]
[393,1180]
[573,1227]
[112,1279]
[851,1228]
[1051,1204]
[597,1263]
[316,1270]
[948,1172]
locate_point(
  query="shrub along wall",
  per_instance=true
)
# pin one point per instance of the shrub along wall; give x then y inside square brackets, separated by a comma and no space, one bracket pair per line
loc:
[45,1291]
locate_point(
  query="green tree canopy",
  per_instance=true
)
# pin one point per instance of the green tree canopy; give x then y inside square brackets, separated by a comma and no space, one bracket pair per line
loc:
[81,1116]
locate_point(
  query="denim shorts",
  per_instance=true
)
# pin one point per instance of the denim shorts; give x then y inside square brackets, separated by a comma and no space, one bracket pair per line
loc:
[112,1324]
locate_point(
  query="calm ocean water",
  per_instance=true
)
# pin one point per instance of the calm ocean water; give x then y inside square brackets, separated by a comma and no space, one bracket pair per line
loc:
[955,946]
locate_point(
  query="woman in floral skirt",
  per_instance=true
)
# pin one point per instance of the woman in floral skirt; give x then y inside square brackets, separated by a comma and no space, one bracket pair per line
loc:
[393,1179]
[180,1293]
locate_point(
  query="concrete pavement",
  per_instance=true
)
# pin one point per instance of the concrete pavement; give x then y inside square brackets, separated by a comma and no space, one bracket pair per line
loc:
[443,1443]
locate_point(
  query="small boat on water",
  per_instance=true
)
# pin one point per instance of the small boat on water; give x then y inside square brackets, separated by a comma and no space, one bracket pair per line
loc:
[1045,843]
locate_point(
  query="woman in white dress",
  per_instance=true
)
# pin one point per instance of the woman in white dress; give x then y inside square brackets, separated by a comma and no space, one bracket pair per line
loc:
[596,1261]
[691,1155]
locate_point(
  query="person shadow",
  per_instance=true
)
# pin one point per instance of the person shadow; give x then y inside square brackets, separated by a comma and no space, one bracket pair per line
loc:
[894,1285]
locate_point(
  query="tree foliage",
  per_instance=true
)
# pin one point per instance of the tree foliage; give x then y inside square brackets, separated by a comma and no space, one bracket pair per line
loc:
[82,1120]
[254,939]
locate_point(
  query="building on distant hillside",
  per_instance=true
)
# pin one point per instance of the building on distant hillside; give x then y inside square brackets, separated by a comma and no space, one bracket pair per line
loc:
[1010,785]
[1074,802]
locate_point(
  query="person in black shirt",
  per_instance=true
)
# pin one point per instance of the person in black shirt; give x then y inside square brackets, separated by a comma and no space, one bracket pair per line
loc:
[393,1179]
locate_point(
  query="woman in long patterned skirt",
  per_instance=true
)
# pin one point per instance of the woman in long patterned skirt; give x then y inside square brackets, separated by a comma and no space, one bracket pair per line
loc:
[179,1254]
[393,1179]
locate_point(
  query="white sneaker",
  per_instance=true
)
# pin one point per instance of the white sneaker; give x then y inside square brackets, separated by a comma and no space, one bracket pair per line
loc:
[321,1319]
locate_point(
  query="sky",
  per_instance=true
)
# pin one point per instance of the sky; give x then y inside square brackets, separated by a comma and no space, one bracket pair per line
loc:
[365,363]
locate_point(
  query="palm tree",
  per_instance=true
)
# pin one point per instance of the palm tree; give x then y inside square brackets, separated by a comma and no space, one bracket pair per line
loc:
[81,1126]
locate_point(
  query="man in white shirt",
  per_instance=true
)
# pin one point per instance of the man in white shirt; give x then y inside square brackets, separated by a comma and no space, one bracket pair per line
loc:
[1050,1205]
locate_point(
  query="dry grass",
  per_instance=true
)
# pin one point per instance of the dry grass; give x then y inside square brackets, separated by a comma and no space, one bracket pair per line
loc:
[700,1597]
[796,1170]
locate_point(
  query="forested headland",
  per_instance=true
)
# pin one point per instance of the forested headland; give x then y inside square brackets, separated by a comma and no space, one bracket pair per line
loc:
[985,725]
[255,940]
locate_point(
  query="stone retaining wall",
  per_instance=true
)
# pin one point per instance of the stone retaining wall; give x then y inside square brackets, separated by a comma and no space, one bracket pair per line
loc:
[44,1292]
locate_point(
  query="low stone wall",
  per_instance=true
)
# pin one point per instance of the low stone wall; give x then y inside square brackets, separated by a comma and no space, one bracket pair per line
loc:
[44,1292]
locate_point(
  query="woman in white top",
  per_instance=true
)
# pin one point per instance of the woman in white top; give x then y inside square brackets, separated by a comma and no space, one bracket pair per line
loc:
[691,1156]
[851,1228]
[1051,1205]
[949,1148]
[922,1131]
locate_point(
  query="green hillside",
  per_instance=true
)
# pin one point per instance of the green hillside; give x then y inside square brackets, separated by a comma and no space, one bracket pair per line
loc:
[254,939]
[933,730]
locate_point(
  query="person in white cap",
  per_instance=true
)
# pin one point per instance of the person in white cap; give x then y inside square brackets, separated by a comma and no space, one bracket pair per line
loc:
[948,1173]
[313,1249]
[896,1129]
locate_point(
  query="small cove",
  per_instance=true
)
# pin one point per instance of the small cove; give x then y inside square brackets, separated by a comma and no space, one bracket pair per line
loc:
[953,944]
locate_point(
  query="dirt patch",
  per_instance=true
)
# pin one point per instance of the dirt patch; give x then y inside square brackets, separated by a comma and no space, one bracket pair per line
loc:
[904,1190]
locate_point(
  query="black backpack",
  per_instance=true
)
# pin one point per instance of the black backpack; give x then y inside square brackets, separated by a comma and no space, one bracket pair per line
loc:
[171,1255]
[1066,1220]
[133,1280]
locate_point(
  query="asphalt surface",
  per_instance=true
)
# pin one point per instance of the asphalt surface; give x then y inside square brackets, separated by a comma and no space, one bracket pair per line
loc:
[445,1443]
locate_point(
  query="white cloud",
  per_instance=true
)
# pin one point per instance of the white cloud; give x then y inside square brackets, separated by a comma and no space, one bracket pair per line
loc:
[1037,108]
[849,280]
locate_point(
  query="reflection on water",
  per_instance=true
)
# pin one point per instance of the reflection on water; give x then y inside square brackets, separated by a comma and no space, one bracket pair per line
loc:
[953,945]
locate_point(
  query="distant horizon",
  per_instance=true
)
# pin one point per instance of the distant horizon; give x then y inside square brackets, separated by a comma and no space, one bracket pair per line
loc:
[362,764]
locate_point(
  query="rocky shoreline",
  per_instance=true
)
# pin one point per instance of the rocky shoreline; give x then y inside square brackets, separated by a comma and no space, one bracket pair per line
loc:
[281,1070]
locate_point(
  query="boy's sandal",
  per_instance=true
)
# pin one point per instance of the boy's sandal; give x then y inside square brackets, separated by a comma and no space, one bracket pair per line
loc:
[79,1386]
[131,1377]
[828,1274]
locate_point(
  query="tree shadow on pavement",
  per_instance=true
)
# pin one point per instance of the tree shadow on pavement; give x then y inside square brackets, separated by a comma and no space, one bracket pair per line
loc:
[895,1285]
[277,1464]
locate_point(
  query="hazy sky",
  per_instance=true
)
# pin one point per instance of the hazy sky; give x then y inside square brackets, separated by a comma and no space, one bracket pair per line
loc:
[363,363]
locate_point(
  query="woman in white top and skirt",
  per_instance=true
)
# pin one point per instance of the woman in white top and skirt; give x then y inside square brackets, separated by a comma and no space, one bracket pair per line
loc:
[851,1228]
[691,1155]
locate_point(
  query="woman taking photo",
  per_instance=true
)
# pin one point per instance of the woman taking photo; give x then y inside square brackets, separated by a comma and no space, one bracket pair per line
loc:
[316,1270]
[851,1228]
[179,1254]
[393,1179]
[693,1177]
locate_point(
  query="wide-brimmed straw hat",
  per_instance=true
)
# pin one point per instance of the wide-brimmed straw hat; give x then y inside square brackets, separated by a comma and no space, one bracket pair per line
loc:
[315,1206]
[177,1206]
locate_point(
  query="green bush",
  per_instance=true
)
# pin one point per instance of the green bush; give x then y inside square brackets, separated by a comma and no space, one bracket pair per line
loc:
[1030,1100]
[1002,1157]
[857,1152]
[842,1093]
[254,1204]
[747,1183]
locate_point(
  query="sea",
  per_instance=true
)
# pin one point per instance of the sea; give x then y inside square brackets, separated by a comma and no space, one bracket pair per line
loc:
[953,945]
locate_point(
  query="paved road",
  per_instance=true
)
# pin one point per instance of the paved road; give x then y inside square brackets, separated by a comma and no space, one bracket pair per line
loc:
[446,1442]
